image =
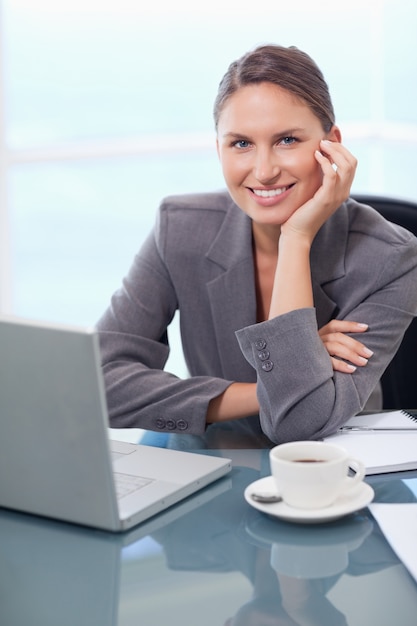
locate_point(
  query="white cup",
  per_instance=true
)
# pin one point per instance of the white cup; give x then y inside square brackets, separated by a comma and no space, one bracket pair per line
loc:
[313,474]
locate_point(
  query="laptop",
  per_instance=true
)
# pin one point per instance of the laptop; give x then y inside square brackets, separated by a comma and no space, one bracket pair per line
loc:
[56,457]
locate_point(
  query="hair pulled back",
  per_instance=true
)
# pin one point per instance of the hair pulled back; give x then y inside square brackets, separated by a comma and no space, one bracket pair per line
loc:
[287,68]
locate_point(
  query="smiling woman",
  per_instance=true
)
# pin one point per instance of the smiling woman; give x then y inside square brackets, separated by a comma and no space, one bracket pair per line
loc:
[106,106]
[293,275]
[267,140]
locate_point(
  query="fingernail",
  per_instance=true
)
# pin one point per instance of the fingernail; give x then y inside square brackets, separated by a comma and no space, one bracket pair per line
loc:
[351,368]
[362,325]
[368,353]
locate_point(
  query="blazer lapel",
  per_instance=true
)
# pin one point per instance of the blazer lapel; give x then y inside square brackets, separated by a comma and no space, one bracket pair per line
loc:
[232,291]
[328,254]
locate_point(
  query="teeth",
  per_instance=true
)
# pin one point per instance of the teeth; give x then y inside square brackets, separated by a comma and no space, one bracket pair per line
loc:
[269,193]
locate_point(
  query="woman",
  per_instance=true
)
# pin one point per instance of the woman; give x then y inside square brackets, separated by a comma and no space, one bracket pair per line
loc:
[293,298]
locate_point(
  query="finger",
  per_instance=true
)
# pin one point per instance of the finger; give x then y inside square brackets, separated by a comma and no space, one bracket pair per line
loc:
[326,164]
[340,162]
[347,348]
[337,153]
[328,335]
[334,170]
[342,366]
[340,351]
[343,326]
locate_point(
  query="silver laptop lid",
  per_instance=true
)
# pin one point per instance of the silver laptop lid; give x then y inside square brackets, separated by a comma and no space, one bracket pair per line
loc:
[54,456]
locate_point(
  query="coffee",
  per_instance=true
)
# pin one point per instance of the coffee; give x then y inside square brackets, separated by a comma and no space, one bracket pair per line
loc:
[308,460]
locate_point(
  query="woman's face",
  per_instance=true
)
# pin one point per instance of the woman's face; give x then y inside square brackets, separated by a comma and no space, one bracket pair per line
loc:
[266,139]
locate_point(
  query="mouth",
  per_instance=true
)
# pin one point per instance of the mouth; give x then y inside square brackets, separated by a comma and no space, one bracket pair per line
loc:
[270,193]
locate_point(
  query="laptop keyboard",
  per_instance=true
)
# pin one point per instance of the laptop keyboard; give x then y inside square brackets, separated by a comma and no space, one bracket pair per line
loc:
[126,483]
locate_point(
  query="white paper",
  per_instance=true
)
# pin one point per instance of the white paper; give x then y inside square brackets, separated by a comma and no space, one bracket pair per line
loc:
[398,522]
[380,451]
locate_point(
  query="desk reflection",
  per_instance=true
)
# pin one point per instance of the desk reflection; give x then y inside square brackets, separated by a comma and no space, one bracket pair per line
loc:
[290,567]
[55,573]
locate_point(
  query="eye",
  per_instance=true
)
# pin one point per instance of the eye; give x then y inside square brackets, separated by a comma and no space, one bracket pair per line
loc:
[288,141]
[241,143]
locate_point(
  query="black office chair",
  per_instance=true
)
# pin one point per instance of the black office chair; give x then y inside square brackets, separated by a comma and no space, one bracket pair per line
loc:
[399,381]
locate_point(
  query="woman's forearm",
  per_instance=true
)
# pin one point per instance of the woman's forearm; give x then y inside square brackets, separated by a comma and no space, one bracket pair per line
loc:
[292,283]
[237,401]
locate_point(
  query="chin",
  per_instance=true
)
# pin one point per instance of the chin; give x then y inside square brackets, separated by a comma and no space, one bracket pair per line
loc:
[274,216]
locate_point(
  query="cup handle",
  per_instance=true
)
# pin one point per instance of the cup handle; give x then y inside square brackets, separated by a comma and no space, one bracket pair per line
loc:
[359,469]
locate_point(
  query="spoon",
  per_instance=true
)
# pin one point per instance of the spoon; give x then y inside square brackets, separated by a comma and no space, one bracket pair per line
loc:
[266,498]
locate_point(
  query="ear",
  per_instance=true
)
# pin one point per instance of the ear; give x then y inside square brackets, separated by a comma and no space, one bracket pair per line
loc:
[334,134]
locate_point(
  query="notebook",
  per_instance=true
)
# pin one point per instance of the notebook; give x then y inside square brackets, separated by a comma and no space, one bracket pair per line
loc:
[385,442]
[56,457]
[385,421]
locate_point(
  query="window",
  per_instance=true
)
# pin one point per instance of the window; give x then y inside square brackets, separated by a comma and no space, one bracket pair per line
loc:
[106,107]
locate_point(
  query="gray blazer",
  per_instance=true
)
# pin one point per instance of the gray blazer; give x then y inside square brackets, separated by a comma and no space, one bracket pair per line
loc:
[198,259]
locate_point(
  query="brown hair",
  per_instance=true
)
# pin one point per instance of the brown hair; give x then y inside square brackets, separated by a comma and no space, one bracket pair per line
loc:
[288,68]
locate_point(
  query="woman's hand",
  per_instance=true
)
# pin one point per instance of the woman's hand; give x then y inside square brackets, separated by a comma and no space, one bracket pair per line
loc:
[338,167]
[346,352]
[299,230]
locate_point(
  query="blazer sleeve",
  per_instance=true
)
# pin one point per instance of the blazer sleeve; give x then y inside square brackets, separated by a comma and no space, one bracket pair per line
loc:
[300,395]
[134,349]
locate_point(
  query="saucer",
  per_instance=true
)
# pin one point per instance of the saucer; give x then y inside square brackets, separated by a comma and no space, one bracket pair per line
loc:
[347,503]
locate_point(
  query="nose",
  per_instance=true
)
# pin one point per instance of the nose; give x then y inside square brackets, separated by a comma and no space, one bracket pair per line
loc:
[266,166]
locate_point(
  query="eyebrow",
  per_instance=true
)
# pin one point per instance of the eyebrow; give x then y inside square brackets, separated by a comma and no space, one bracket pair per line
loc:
[283,133]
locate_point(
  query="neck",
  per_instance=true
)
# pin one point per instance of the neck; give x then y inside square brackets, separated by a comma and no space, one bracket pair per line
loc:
[265,238]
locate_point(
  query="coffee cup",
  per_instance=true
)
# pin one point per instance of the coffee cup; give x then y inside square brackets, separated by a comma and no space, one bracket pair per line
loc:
[313,474]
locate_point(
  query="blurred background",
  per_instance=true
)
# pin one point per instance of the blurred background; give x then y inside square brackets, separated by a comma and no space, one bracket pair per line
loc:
[106,107]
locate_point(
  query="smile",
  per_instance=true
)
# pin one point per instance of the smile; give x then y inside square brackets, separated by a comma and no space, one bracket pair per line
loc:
[270,193]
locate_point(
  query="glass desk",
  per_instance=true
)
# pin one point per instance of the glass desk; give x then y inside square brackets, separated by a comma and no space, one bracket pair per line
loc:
[211,560]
